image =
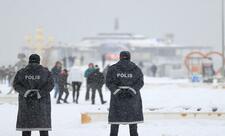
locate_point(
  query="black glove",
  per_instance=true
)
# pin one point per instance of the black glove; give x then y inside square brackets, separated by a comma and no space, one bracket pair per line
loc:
[32,94]
[124,94]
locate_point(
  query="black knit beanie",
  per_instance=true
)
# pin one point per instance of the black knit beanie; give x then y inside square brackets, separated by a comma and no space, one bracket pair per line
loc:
[124,55]
[34,58]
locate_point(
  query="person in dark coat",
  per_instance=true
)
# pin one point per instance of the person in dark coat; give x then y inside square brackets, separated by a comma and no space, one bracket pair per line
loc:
[86,75]
[63,86]
[56,70]
[34,84]
[96,81]
[125,79]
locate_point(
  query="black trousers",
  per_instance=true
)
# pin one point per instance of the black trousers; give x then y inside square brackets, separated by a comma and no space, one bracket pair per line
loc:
[76,90]
[63,90]
[115,129]
[87,92]
[28,133]
[100,95]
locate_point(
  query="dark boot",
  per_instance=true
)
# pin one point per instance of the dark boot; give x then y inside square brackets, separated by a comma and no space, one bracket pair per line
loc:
[65,101]
[67,94]
[60,96]
[133,130]
[103,102]
[43,133]
[26,133]
[114,130]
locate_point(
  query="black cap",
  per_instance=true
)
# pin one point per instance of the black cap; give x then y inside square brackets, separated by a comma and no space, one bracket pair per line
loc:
[124,55]
[34,58]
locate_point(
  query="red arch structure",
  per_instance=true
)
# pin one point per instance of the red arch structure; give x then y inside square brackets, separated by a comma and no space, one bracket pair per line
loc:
[201,55]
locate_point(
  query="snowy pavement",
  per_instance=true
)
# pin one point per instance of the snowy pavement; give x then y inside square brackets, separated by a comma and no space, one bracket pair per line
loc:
[165,95]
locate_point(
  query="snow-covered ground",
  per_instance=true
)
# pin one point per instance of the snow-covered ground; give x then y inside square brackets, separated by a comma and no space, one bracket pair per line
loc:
[163,94]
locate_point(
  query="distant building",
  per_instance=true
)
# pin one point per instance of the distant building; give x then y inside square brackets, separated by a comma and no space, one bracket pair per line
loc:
[167,56]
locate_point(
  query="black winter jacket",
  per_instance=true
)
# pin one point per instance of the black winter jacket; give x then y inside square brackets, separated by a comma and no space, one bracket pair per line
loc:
[125,79]
[34,113]
[96,79]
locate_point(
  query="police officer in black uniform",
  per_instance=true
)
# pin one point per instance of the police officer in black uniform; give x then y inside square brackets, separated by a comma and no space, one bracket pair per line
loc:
[125,79]
[34,83]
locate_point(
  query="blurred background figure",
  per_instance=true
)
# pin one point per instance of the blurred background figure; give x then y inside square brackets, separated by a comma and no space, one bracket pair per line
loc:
[87,73]
[3,75]
[22,61]
[105,73]
[63,86]
[82,60]
[153,70]
[7,74]
[56,70]
[76,79]
[208,71]
[103,60]
[96,81]
[10,71]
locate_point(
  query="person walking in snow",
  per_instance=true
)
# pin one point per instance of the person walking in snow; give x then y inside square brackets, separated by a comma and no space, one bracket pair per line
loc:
[63,86]
[87,73]
[76,79]
[34,84]
[56,70]
[96,81]
[125,79]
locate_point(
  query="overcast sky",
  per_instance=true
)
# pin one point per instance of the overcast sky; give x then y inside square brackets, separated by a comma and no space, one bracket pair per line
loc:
[194,22]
